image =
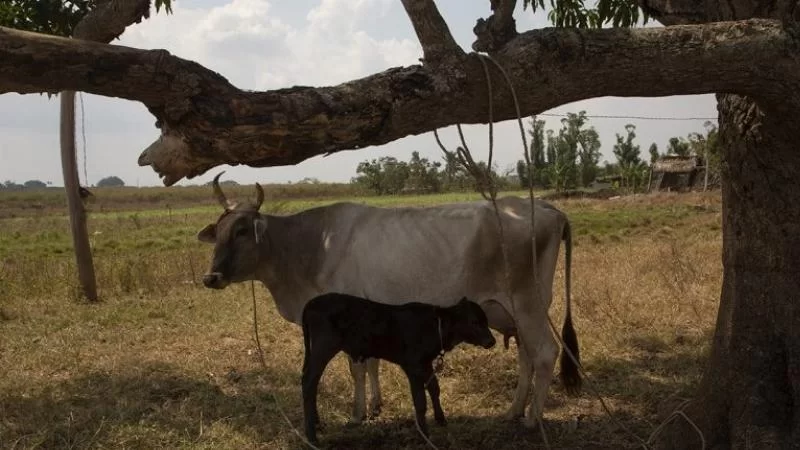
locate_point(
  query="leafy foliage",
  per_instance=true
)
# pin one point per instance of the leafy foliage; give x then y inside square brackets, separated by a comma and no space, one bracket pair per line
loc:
[35,184]
[112,181]
[629,163]
[388,176]
[575,14]
[564,160]
[678,146]
[58,17]
[654,155]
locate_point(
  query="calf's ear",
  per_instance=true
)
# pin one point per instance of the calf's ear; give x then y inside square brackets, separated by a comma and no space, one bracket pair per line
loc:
[208,234]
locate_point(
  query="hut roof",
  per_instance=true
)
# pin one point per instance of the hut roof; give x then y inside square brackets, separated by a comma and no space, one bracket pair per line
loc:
[673,164]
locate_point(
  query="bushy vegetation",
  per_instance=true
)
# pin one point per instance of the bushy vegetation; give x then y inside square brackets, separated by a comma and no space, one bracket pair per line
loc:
[570,158]
[388,176]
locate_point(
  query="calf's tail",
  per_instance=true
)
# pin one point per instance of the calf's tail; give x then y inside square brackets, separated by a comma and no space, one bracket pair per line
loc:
[570,375]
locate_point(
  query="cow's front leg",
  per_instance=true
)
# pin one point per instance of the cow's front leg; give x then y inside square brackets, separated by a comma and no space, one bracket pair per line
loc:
[376,400]
[358,370]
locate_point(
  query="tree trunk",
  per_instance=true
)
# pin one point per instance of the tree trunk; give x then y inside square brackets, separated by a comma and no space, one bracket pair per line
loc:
[750,393]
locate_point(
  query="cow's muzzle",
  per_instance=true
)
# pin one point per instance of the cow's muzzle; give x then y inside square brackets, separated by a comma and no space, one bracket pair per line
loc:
[214,280]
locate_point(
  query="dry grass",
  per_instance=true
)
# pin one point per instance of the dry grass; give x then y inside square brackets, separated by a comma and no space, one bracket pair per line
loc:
[165,363]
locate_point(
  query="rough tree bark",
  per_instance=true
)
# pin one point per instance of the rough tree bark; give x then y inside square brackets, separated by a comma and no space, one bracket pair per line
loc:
[103,24]
[205,121]
[750,393]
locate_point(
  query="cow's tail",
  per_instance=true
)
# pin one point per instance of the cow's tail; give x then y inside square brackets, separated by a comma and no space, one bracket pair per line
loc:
[570,375]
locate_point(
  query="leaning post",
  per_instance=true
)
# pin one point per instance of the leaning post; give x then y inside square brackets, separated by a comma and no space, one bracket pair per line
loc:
[77,213]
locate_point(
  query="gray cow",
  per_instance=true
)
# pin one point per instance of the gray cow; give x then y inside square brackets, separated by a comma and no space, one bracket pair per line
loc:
[434,254]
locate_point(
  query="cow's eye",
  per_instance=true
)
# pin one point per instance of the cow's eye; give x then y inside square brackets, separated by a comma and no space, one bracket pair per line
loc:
[241,232]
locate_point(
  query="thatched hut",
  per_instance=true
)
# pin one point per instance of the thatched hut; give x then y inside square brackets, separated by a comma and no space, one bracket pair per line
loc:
[678,173]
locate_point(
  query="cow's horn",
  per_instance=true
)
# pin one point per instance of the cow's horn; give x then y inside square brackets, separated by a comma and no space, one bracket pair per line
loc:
[218,192]
[259,196]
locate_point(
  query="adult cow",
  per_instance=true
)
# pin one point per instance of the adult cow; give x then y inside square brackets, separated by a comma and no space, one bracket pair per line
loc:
[435,255]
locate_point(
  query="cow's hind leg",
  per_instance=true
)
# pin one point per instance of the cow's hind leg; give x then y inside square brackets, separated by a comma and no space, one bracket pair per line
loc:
[376,400]
[539,339]
[358,370]
[543,365]
[524,375]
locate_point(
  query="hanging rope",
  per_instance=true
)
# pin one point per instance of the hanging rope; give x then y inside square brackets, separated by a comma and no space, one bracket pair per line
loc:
[678,411]
[83,133]
[486,186]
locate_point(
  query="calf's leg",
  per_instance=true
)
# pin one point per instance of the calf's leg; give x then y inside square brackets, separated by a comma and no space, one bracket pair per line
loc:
[376,400]
[315,364]
[416,381]
[433,390]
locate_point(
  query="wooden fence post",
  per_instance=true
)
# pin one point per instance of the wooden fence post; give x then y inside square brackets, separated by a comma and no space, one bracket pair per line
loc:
[77,213]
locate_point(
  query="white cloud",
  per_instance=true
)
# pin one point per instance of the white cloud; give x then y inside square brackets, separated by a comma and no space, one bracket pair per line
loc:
[246,42]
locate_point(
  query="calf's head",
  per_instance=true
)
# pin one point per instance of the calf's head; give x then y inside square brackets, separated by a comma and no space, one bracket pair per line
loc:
[239,238]
[469,324]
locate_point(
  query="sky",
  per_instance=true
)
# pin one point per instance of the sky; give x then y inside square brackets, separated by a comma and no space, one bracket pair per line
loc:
[269,44]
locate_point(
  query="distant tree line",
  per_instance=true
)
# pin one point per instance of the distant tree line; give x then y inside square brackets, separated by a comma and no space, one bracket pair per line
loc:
[569,158]
[387,175]
[110,181]
[30,184]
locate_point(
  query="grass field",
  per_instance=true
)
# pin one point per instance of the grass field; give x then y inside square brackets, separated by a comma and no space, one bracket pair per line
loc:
[162,362]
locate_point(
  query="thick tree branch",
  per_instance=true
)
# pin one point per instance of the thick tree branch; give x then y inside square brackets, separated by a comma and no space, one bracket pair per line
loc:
[499,28]
[205,121]
[432,30]
[676,12]
[108,20]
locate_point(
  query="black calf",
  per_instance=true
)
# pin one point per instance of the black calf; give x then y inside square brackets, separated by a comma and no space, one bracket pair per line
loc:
[410,335]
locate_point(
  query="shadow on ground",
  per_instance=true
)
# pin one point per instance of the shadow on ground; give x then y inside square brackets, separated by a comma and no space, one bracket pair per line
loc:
[151,404]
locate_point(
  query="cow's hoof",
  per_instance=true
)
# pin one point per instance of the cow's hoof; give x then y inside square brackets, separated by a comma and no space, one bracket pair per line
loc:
[375,409]
[512,415]
[441,421]
[352,423]
[357,419]
[531,423]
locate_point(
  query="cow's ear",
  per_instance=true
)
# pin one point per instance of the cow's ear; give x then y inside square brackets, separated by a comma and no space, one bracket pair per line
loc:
[260,228]
[208,234]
